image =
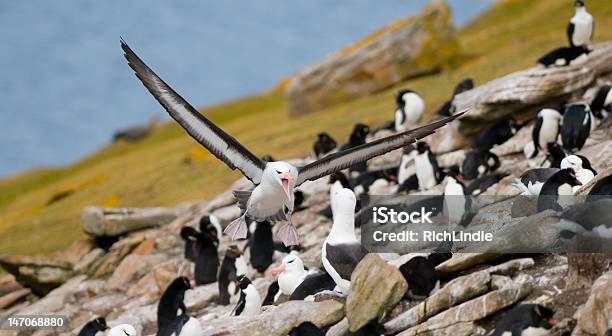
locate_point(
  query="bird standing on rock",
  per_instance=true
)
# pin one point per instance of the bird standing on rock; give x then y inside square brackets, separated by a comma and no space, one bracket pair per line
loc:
[341,251]
[169,323]
[291,273]
[580,27]
[546,129]
[272,199]
[410,107]
[249,303]
[427,170]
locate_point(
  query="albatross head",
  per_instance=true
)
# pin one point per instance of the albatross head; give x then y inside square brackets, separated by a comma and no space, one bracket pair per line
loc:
[282,173]
[290,264]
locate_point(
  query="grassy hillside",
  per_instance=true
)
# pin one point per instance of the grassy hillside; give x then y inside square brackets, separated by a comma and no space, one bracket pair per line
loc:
[168,167]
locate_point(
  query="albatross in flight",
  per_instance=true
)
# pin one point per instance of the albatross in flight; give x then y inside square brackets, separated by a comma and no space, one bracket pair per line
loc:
[272,199]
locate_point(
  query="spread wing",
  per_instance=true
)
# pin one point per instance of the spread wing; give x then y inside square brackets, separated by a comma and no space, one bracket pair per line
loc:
[345,159]
[219,143]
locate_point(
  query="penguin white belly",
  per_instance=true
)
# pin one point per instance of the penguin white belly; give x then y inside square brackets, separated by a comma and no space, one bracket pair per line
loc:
[399,121]
[454,204]
[252,304]
[548,133]
[191,328]
[582,32]
[424,171]
[533,331]
[413,109]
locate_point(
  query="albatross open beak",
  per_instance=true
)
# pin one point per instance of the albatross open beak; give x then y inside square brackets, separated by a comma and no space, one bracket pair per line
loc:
[285,183]
[277,270]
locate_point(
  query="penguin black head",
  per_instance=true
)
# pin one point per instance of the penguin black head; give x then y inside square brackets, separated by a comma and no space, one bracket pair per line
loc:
[324,137]
[242,281]
[206,226]
[188,232]
[99,323]
[267,158]
[298,198]
[422,147]
[180,284]
[399,97]
[579,3]
[361,131]
[568,176]
[465,85]
[454,172]
[339,177]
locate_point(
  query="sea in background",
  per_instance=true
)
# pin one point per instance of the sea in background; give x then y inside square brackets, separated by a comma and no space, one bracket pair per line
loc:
[65,86]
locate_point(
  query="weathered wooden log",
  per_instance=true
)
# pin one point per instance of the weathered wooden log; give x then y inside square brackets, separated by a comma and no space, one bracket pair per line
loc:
[98,222]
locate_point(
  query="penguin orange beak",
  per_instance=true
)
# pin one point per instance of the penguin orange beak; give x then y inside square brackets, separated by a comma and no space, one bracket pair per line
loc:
[277,270]
[552,322]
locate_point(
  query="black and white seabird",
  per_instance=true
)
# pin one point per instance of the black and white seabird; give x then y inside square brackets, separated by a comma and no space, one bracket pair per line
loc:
[406,171]
[580,27]
[92,327]
[312,284]
[427,170]
[357,138]
[546,129]
[232,266]
[291,273]
[122,330]
[576,126]
[525,320]
[591,219]
[602,103]
[374,180]
[206,256]
[581,166]
[420,271]
[323,145]
[169,322]
[563,56]
[272,198]
[478,163]
[410,107]
[250,302]
[447,109]
[497,133]
[272,294]
[457,200]
[556,191]
[341,251]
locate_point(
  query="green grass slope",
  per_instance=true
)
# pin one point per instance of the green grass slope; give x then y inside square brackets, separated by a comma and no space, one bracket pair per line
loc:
[169,167]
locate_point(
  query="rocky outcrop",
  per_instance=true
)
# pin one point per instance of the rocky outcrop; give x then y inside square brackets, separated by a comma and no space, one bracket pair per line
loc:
[40,274]
[406,48]
[112,222]
[595,318]
[279,320]
[375,288]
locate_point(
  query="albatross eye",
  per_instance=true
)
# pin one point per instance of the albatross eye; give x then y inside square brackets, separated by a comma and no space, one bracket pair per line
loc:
[278,172]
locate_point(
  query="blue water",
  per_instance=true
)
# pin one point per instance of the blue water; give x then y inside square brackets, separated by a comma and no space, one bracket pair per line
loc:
[65,86]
